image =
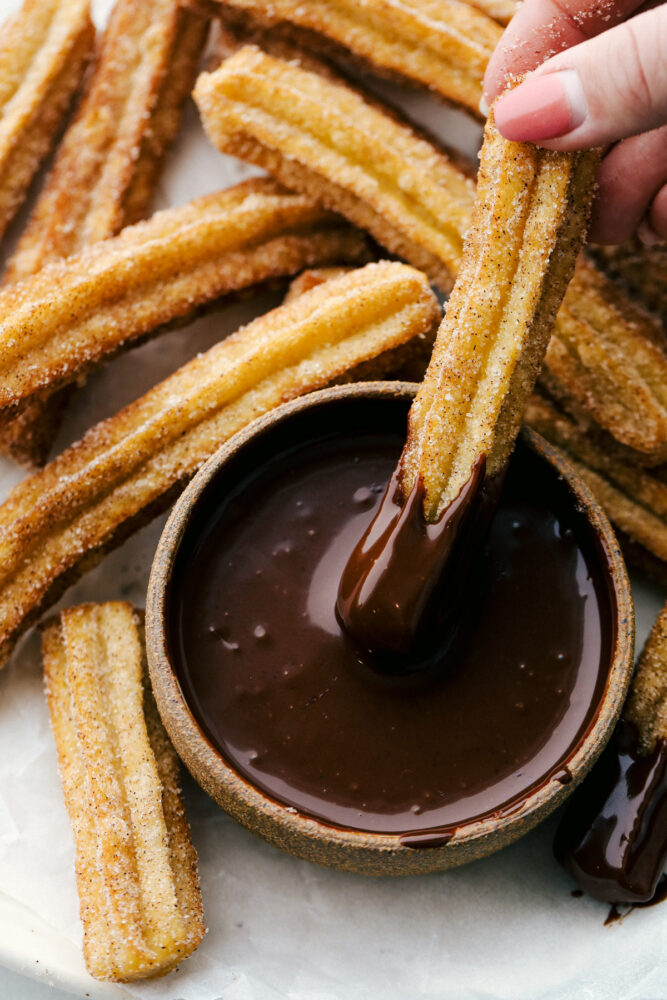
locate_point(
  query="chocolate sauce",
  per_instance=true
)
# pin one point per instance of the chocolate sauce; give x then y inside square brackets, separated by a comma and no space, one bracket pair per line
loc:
[613,836]
[402,590]
[286,698]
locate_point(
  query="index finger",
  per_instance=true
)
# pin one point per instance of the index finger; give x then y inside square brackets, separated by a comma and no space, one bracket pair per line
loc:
[542,28]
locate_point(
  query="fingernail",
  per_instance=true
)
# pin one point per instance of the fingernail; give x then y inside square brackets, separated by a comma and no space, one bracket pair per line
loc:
[542,107]
[648,235]
[484,107]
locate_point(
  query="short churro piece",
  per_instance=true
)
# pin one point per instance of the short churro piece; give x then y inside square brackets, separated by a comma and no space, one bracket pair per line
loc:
[641,270]
[635,499]
[606,360]
[136,866]
[528,226]
[59,522]
[108,163]
[321,136]
[443,45]
[73,314]
[44,49]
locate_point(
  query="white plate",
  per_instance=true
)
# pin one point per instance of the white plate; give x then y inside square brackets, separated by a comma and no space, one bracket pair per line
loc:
[505,927]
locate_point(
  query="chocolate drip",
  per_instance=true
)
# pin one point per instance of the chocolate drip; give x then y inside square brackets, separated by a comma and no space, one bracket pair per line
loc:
[613,837]
[403,587]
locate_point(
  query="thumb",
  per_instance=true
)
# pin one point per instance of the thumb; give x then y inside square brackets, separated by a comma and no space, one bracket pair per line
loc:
[600,91]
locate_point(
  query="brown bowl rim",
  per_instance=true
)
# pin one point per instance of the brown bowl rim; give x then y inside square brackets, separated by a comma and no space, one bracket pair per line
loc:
[311,838]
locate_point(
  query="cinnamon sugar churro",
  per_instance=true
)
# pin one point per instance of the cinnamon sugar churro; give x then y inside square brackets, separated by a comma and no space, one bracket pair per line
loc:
[59,522]
[528,226]
[110,157]
[44,50]
[634,498]
[443,45]
[318,135]
[641,270]
[73,314]
[136,867]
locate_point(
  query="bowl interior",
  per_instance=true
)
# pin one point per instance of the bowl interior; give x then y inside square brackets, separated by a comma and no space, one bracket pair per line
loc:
[380,407]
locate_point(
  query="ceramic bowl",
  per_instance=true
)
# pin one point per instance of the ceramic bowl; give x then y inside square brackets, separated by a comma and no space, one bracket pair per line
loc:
[303,836]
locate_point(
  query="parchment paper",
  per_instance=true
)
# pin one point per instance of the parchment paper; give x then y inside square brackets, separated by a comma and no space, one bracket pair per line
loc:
[506,927]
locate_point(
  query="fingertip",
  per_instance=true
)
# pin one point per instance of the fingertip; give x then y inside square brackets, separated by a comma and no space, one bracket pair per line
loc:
[543,107]
[483,107]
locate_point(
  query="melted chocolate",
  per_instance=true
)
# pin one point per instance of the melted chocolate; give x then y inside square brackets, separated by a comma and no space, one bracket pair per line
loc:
[284,695]
[401,592]
[613,836]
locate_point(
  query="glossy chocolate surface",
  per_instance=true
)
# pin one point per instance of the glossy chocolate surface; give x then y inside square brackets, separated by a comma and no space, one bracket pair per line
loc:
[285,698]
[613,836]
[401,591]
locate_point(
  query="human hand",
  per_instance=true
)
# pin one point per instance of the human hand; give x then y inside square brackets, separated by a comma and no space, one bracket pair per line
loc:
[604,80]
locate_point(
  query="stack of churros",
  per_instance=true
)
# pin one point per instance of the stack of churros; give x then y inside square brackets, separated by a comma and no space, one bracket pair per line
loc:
[74,313]
[443,45]
[92,276]
[136,866]
[60,521]
[111,157]
[319,135]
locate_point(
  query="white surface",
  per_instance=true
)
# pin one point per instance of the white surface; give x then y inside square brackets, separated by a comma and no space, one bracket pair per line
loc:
[505,927]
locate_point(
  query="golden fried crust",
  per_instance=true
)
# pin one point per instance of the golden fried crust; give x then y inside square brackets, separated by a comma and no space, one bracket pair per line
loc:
[57,523]
[136,866]
[44,50]
[106,167]
[528,226]
[642,271]
[607,360]
[442,45]
[646,707]
[73,314]
[108,164]
[320,136]
[634,498]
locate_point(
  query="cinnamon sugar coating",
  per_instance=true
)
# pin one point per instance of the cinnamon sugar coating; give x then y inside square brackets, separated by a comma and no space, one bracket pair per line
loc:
[59,522]
[136,867]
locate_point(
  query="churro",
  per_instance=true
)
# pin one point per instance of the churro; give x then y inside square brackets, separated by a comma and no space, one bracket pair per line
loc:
[528,226]
[108,164]
[136,867]
[44,50]
[606,360]
[442,45]
[60,521]
[75,313]
[642,271]
[105,170]
[400,592]
[634,498]
[318,135]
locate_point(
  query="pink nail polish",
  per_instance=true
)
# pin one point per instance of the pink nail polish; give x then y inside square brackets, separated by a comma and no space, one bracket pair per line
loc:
[542,107]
